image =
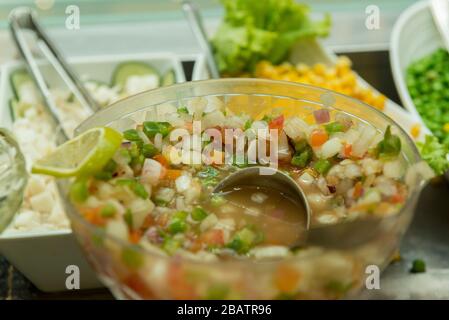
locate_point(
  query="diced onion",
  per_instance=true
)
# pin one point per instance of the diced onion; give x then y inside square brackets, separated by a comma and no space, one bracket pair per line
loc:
[322,116]
[361,145]
[331,147]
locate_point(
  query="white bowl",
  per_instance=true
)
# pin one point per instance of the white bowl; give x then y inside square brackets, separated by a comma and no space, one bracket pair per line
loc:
[44,256]
[414,36]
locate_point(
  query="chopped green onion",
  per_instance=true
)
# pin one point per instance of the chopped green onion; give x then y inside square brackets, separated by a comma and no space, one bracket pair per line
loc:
[171,245]
[267,118]
[243,240]
[217,201]
[136,155]
[302,159]
[183,110]
[108,210]
[135,186]
[132,135]
[182,215]
[301,146]
[177,223]
[177,226]
[198,214]
[322,166]
[160,202]
[149,150]
[128,217]
[107,172]
[390,146]
[334,127]
[151,128]
[248,124]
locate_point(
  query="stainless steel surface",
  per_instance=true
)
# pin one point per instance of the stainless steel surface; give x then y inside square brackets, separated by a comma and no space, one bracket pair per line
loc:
[196,24]
[24,18]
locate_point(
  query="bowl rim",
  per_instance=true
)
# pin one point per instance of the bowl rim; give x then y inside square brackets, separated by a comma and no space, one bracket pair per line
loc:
[398,76]
[72,212]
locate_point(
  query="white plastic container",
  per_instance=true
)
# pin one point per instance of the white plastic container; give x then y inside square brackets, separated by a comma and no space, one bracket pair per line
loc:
[44,256]
[414,36]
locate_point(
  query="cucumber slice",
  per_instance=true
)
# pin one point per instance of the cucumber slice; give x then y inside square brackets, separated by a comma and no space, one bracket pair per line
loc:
[169,78]
[17,109]
[19,79]
[132,68]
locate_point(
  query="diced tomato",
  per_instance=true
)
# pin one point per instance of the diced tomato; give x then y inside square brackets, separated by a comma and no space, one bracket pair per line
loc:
[397,198]
[93,216]
[277,123]
[318,137]
[161,159]
[213,237]
[134,236]
[172,174]
[358,190]
[347,151]
[148,222]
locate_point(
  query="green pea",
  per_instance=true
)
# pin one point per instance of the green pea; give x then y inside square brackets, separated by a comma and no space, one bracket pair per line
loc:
[198,214]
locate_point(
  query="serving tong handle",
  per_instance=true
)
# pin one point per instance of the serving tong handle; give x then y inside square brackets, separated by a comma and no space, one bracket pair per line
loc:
[24,18]
[193,16]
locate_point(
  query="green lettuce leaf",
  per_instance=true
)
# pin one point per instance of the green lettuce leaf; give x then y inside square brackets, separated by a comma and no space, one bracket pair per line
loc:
[435,154]
[254,30]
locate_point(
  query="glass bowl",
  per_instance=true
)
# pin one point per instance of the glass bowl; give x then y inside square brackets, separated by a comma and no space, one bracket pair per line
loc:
[132,272]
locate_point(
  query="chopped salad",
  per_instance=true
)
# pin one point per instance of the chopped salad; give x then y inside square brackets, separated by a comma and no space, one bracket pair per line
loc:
[150,195]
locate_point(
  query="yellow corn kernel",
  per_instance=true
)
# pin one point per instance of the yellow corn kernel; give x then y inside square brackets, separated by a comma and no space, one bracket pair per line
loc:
[415,130]
[446,127]
[319,69]
[302,68]
[330,74]
[344,62]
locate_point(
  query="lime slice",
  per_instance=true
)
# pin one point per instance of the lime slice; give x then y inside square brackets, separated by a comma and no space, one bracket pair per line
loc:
[81,156]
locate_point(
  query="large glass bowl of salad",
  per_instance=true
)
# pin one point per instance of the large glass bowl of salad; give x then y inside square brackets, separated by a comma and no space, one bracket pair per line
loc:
[153,228]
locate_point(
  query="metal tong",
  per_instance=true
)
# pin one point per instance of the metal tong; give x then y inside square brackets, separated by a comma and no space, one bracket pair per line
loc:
[24,18]
[193,16]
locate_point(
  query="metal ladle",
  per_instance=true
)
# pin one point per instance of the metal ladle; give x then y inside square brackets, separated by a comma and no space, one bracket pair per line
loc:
[338,236]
